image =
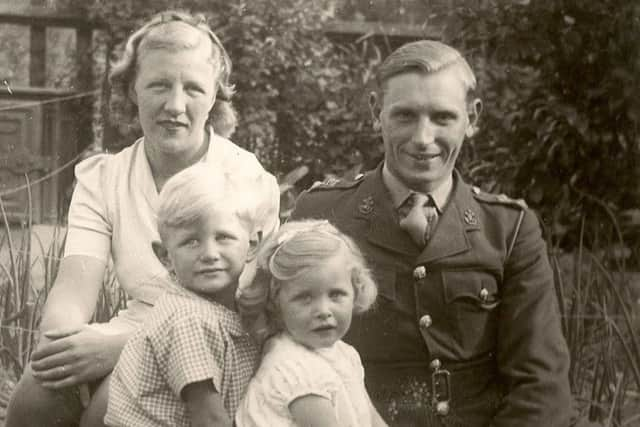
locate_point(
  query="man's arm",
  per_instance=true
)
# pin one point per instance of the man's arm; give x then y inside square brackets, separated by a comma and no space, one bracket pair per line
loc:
[205,405]
[533,358]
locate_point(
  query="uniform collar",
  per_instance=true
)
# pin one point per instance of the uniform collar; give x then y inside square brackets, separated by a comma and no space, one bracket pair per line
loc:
[399,190]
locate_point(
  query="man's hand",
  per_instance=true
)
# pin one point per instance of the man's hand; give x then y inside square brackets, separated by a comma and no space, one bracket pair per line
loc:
[68,357]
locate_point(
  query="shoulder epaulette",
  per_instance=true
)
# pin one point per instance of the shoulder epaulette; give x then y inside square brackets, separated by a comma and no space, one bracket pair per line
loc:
[336,183]
[502,199]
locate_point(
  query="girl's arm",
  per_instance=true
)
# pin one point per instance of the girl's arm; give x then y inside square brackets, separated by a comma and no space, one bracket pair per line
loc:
[313,411]
[205,405]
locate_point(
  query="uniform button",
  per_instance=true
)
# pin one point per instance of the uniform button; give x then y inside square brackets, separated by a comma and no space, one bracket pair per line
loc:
[425,321]
[419,272]
[475,190]
[442,408]
[484,294]
[435,364]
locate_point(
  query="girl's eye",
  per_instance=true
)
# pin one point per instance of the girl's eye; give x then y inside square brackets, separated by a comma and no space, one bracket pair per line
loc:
[337,294]
[303,298]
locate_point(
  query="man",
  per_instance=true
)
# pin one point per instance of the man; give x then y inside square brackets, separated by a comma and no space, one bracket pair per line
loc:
[466,331]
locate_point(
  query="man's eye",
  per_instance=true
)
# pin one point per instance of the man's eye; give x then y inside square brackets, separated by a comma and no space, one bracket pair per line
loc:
[443,118]
[192,243]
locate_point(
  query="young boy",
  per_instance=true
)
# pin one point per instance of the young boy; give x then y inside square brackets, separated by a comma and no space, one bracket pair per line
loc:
[190,363]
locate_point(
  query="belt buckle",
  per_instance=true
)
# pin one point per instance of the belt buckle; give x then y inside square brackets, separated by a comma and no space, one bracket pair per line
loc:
[441,391]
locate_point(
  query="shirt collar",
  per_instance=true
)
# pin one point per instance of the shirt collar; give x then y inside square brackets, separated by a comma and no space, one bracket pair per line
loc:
[399,191]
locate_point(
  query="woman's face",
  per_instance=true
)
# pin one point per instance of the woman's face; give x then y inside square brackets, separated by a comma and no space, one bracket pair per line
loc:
[174,91]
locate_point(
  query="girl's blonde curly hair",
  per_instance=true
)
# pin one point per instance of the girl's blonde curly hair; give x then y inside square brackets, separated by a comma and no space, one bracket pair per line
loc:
[296,247]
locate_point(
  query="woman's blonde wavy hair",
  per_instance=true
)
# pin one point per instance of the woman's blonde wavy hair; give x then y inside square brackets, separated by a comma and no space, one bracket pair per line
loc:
[296,247]
[222,116]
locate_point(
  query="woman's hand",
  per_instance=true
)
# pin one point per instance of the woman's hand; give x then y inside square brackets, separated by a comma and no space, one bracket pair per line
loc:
[71,356]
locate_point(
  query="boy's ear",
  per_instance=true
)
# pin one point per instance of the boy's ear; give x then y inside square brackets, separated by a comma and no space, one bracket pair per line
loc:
[254,244]
[161,253]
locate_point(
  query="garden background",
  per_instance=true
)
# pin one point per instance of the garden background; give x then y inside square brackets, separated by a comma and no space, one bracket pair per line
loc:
[560,80]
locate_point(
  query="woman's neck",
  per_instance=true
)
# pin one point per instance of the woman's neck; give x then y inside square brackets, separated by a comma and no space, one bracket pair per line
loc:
[164,166]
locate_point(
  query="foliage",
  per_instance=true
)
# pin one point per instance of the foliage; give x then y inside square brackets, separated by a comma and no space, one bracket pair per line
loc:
[299,96]
[559,80]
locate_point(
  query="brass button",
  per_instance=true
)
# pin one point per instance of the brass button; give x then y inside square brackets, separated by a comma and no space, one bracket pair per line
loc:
[425,321]
[419,272]
[442,408]
[435,364]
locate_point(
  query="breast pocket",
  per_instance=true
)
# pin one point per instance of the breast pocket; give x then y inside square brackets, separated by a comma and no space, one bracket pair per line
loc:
[472,299]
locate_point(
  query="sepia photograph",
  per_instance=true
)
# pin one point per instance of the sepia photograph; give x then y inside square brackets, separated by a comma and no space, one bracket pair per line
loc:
[320,213]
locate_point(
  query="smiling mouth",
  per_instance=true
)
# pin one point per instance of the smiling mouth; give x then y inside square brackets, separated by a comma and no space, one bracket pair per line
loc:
[424,157]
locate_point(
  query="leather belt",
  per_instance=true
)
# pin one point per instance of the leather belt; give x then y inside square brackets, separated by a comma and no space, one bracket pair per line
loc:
[432,386]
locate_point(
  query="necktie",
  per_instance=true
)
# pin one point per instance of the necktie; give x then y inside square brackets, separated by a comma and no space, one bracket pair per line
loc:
[418,217]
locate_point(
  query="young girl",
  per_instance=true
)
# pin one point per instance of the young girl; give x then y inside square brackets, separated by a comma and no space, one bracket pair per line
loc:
[312,278]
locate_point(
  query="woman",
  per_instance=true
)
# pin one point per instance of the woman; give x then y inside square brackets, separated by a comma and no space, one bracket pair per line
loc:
[176,71]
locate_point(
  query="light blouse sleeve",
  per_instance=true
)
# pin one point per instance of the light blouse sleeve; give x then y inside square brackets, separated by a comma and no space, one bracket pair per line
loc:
[89,228]
[297,374]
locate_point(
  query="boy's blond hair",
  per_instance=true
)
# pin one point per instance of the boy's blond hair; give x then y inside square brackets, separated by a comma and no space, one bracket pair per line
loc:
[195,191]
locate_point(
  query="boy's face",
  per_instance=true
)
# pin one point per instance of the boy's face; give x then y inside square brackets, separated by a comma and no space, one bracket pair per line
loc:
[207,256]
[424,120]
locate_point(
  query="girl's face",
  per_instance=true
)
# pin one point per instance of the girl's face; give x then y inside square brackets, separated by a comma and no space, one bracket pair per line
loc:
[316,307]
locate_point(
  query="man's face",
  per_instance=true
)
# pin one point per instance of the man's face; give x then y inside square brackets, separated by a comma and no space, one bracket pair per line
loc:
[424,120]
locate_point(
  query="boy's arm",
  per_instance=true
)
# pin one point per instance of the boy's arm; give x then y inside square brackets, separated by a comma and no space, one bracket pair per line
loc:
[313,411]
[205,405]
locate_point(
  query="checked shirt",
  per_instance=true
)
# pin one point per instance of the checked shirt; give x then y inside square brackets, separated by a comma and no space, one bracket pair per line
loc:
[186,339]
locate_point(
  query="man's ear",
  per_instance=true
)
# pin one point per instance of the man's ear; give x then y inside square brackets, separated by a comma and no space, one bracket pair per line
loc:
[375,108]
[474,109]
[161,253]
[131,93]
[254,244]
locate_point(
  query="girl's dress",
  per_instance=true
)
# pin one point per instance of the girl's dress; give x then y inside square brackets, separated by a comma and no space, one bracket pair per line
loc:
[290,370]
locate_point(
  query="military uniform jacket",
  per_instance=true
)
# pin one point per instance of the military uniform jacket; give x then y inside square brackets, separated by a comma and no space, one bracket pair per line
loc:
[480,294]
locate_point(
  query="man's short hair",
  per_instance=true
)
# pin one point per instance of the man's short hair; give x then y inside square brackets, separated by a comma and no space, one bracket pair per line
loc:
[425,56]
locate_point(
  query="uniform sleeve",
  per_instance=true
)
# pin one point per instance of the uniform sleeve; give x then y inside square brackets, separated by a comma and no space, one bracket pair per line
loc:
[533,358]
[189,352]
[89,227]
[291,376]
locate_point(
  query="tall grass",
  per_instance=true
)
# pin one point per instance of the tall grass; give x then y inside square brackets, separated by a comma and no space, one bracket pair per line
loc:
[599,308]
[21,300]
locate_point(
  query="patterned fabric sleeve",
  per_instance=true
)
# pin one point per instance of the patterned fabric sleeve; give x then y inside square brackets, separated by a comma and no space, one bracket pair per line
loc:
[89,226]
[186,352]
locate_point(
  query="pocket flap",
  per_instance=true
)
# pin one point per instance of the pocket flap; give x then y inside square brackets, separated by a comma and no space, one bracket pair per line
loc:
[476,286]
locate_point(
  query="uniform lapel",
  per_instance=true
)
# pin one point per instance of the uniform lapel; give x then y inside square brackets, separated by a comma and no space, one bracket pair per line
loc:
[374,205]
[450,236]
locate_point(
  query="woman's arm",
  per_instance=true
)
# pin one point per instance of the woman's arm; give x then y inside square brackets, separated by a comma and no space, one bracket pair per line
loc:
[70,353]
[313,411]
[205,405]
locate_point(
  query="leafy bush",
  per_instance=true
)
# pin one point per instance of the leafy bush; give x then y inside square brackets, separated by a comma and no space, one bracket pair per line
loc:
[560,81]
